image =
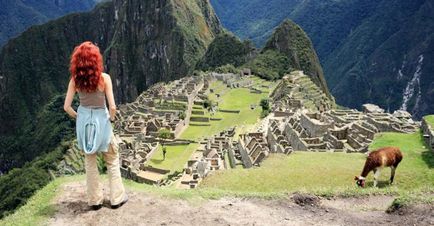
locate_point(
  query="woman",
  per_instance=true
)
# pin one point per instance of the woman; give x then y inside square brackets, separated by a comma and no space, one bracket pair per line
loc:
[93,127]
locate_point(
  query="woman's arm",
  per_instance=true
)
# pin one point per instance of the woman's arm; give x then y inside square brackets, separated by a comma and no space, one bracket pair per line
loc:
[110,97]
[68,99]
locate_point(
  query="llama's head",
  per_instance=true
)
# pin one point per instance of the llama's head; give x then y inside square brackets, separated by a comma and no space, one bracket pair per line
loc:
[360,181]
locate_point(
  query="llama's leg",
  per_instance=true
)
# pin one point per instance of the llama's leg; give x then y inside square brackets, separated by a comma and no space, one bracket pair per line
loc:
[377,172]
[392,174]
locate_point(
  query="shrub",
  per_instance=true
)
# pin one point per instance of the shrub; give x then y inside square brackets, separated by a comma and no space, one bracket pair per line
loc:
[270,65]
[265,104]
[226,49]
[181,115]
[228,68]
[17,186]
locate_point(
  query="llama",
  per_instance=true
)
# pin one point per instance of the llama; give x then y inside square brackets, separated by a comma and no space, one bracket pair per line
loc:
[378,159]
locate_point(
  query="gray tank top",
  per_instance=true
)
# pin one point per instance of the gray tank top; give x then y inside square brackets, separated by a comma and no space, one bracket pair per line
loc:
[92,100]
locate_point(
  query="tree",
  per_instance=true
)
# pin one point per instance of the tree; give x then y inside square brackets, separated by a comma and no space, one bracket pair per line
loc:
[207,104]
[164,134]
[265,104]
[181,115]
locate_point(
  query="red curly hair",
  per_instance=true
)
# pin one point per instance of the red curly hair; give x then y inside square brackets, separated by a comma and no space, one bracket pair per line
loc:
[86,67]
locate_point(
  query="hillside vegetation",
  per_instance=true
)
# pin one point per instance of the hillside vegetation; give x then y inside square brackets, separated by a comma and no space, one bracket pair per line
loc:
[380,50]
[226,49]
[18,15]
[288,49]
[34,66]
[290,40]
[34,74]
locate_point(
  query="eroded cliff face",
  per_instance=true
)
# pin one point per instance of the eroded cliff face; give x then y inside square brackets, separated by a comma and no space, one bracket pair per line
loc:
[143,42]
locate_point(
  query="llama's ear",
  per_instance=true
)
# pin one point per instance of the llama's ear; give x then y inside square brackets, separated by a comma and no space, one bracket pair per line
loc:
[356,178]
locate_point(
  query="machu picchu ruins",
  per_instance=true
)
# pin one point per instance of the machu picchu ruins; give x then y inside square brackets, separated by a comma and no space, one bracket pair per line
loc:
[302,118]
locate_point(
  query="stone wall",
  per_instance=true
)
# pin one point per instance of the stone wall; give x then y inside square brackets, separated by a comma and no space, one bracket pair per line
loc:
[428,134]
[314,127]
[230,111]
[247,162]
[199,119]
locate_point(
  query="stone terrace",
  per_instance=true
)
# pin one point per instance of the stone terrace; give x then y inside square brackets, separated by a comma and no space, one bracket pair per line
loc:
[305,119]
[210,157]
[138,124]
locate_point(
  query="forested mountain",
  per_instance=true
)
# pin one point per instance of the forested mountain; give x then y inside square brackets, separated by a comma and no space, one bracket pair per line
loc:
[378,51]
[143,42]
[288,49]
[18,15]
[291,41]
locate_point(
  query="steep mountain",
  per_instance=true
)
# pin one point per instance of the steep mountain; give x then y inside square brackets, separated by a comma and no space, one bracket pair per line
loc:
[253,19]
[18,15]
[388,59]
[143,42]
[374,46]
[290,40]
[288,49]
[326,22]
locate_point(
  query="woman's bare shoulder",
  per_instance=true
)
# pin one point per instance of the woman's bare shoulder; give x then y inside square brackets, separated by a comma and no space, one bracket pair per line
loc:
[105,75]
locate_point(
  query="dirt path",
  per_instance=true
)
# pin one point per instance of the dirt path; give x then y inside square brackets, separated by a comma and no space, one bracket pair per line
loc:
[146,209]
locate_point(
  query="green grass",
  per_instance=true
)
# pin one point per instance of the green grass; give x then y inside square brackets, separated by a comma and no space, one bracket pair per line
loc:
[232,99]
[333,173]
[38,208]
[176,157]
[325,174]
[430,120]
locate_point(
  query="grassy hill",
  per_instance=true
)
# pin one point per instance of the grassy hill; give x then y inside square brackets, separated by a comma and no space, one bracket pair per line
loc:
[333,173]
[324,174]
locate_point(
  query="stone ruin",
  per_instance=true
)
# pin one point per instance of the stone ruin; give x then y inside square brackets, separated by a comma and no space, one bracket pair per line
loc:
[138,123]
[232,80]
[208,158]
[303,118]
[253,148]
[245,72]
[428,133]
[334,130]
[297,91]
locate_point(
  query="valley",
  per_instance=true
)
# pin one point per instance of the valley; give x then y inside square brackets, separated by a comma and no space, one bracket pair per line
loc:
[212,129]
[316,183]
[369,49]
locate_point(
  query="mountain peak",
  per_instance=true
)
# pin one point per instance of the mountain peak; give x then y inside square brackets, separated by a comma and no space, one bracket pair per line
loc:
[289,39]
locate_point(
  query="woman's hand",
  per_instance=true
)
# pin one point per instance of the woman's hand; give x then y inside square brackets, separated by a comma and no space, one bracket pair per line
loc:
[112,112]
[68,99]
[109,95]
